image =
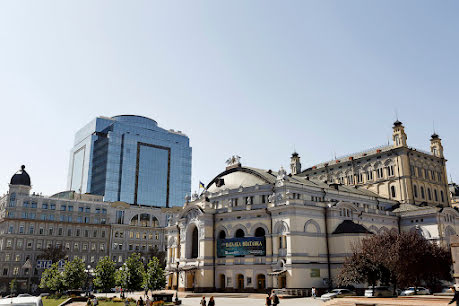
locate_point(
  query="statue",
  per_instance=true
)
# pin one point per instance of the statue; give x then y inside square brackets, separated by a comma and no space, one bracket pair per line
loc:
[281,174]
[233,160]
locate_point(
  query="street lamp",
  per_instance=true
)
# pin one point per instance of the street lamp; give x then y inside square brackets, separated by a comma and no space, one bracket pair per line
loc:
[176,294]
[87,280]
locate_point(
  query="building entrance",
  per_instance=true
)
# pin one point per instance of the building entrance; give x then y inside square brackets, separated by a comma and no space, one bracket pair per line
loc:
[222,281]
[240,281]
[261,282]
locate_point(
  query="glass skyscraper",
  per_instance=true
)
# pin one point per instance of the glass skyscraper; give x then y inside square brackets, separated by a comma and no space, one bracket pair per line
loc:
[129,158]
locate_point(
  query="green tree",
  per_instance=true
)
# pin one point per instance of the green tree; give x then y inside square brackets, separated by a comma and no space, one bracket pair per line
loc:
[153,277]
[13,286]
[53,253]
[74,275]
[161,255]
[52,279]
[104,277]
[130,275]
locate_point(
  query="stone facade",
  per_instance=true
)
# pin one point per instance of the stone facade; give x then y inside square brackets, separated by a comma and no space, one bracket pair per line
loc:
[84,225]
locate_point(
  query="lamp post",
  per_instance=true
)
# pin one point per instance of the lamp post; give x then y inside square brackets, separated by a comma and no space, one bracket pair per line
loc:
[87,279]
[176,294]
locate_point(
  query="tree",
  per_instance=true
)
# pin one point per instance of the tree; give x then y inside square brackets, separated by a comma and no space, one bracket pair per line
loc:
[130,275]
[105,274]
[13,286]
[54,253]
[52,279]
[74,275]
[153,277]
[161,255]
[403,259]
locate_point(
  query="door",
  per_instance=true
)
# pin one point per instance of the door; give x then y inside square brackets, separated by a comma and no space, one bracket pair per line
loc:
[222,281]
[240,281]
[261,282]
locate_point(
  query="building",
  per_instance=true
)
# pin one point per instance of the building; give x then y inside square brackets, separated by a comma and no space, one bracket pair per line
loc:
[396,171]
[254,229]
[454,194]
[83,224]
[129,158]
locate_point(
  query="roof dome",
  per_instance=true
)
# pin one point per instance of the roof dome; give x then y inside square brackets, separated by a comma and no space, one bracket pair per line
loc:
[21,177]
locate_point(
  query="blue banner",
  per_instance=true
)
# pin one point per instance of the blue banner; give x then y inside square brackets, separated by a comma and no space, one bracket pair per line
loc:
[241,246]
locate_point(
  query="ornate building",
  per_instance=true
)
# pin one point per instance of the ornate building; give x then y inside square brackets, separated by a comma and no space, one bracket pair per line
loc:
[84,225]
[396,171]
[254,229]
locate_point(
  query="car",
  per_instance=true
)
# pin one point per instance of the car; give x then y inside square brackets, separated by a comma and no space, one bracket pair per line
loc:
[379,291]
[411,291]
[336,293]
[24,295]
[22,301]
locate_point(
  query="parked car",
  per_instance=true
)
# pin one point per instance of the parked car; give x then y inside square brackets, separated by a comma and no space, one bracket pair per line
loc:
[419,290]
[335,293]
[379,291]
[22,301]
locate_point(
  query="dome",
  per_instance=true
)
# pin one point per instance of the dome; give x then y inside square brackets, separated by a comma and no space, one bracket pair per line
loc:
[21,177]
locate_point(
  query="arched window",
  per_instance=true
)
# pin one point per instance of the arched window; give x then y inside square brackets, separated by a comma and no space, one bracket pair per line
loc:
[222,235]
[259,232]
[135,220]
[436,195]
[239,233]
[392,191]
[154,222]
[442,197]
[429,194]
[194,243]
[422,193]
[144,220]
[415,188]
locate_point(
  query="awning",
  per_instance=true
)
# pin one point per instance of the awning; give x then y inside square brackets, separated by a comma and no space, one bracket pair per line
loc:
[277,273]
[189,268]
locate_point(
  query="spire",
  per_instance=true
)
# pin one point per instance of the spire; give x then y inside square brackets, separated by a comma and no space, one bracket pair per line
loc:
[398,135]
[295,164]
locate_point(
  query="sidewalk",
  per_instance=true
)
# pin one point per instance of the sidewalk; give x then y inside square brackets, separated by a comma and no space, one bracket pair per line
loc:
[411,301]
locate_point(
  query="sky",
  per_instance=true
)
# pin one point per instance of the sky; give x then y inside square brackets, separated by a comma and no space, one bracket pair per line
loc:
[258,79]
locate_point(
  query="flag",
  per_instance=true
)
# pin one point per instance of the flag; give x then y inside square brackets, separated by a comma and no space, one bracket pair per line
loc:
[201,185]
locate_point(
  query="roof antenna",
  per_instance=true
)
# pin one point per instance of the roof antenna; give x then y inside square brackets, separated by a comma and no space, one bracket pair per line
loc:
[433,126]
[334,154]
[396,114]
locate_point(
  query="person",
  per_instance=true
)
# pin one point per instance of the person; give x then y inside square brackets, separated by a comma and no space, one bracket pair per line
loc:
[275,299]
[148,301]
[95,302]
[89,302]
[268,300]
[313,292]
[455,297]
[211,301]
[203,301]
[126,302]
[140,302]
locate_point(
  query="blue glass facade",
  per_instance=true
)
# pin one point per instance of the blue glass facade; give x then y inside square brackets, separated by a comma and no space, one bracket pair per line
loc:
[131,159]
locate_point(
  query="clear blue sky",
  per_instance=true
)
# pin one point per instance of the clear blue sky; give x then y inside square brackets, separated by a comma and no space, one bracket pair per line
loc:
[253,78]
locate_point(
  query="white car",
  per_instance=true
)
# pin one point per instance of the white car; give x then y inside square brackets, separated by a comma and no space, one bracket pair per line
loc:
[419,290]
[22,301]
[335,293]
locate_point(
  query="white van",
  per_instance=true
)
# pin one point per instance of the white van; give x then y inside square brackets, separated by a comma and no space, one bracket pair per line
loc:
[22,301]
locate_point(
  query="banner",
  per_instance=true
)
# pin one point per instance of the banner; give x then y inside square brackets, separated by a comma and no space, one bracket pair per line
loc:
[241,246]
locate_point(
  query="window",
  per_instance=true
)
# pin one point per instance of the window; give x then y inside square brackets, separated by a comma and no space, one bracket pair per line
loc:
[426,175]
[104,211]
[7,257]
[44,206]
[263,199]
[369,175]
[422,193]
[86,220]
[63,207]
[78,232]
[259,232]
[80,219]
[26,204]
[156,236]
[441,195]
[50,231]
[119,216]
[86,233]
[43,217]
[379,173]
[10,229]
[39,244]
[413,172]
[70,208]
[102,246]
[88,209]
[31,230]
[60,231]
[12,200]
[76,246]
[52,206]
[80,209]
[392,191]
[51,217]
[239,233]
[429,195]
[94,234]
[18,257]
[97,210]
[85,247]
[42,231]
[21,229]
[436,195]
[16,271]
[5,271]
[34,204]
[390,171]
[9,243]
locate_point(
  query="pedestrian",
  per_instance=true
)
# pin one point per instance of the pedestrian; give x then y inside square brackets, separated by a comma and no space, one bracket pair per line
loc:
[455,297]
[203,301]
[148,301]
[126,302]
[95,302]
[275,299]
[89,302]
[313,292]
[268,300]
[140,302]
[211,301]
